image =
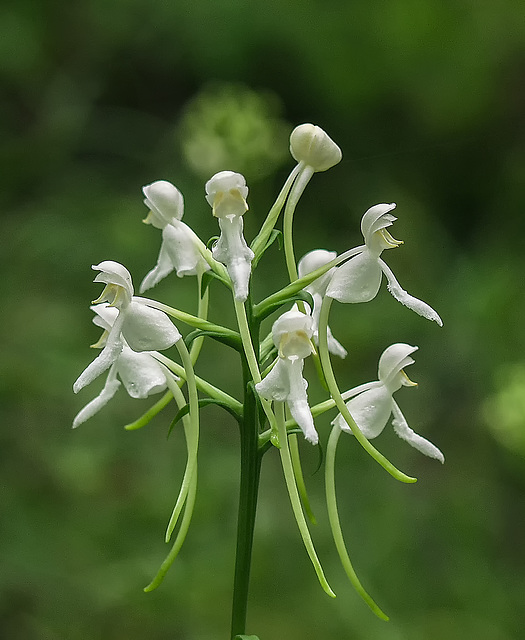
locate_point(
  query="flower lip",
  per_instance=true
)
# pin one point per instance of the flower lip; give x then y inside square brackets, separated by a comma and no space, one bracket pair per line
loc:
[164,201]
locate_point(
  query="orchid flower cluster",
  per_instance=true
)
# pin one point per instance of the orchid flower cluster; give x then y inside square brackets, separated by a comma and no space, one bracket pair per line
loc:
[274,408]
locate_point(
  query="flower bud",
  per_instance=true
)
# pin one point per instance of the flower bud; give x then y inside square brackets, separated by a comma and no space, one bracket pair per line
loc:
[310,145]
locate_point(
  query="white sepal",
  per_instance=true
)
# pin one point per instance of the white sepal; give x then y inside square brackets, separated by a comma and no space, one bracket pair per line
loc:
[420,307]
[231,249]
[418,442]
[140,373]
[148,329]
[357,280]
[164,201]
[178,251]
[110,389]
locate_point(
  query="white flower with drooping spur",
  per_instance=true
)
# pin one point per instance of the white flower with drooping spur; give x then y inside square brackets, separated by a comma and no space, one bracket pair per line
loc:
[374,403]
[292,333]
[226,193]
[141,327]
[359,279]
[179,249]
[140,373]
[308,263]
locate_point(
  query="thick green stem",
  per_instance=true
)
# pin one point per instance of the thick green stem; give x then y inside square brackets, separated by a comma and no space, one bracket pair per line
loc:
[336,395]
[249,486]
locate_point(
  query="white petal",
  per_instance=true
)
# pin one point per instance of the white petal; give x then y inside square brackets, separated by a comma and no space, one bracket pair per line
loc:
[93,407]
[312,261]
[276,385]
[163,268]
[141,374]
[180,244]
[105,315]
[370,410]
[334,346]
[405,432]
[357,280]
[231,249]
[106,357]
[148,329]
[420,307]
[297,400]
[226,193]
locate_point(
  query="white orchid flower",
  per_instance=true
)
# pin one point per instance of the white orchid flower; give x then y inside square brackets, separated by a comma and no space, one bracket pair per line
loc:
[179,248]
[141,327]
[140,373]
[226,193]
[373,403]
[359,279]
[308,263]
[291,333]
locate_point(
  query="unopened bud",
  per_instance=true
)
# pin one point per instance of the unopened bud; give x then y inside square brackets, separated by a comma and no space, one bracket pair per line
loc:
[312,146]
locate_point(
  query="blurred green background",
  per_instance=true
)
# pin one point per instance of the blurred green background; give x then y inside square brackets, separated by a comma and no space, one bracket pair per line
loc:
[427,100]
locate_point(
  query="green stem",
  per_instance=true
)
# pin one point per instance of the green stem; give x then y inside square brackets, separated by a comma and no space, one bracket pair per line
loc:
[335,525]
[251,358]
[249,486]
[336,395]
[192,443]
[179,540]
[299,477]
[303,178]
[146,417]
[260,241]
[203,385]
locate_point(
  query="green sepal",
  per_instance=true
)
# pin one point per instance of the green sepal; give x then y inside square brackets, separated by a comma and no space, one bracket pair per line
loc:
[204,402]
[263,310]
[228,337]
[276,234]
